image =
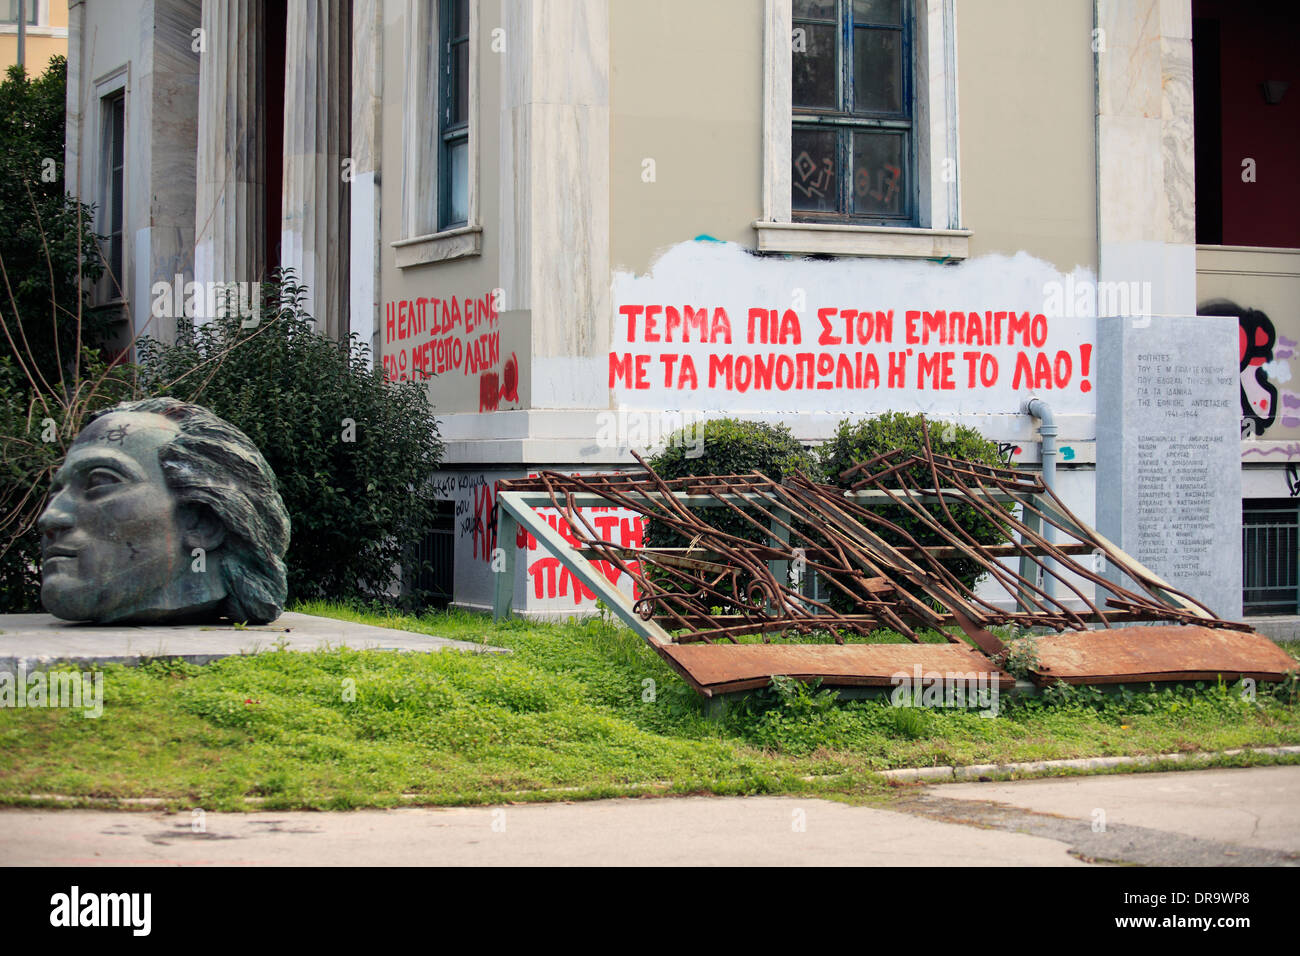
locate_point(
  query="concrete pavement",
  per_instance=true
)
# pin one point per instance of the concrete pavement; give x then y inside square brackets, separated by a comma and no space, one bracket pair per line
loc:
[775,831]
[1225,817]
[1237,815]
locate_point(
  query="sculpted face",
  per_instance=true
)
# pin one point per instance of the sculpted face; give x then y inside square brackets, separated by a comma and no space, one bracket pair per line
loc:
[116,544]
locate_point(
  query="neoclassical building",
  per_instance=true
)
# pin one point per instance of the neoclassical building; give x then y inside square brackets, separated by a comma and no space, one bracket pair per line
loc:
[585,221]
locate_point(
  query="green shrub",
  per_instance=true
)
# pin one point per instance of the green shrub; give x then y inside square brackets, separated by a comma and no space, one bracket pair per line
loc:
[867,438]
[728,446]
[47,245]
[352,452]
[1020,658]
[911,723]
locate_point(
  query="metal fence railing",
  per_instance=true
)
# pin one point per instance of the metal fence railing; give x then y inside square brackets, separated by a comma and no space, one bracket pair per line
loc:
[1270,551]
[435,560]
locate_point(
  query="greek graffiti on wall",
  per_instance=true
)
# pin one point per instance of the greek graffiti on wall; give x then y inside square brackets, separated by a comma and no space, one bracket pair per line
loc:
[549,578]
[714,328]
[548,581]
[429,336]
[935,350]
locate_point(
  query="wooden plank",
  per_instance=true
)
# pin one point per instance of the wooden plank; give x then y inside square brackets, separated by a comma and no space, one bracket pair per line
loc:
[1157,586]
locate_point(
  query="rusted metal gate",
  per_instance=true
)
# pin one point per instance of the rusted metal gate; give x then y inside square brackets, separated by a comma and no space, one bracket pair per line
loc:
[697,600]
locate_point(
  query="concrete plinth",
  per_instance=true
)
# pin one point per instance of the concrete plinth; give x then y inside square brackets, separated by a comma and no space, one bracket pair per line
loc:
[38,640]
[1169,451]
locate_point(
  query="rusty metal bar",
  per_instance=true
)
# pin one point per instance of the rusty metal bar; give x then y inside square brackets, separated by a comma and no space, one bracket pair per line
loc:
[720,585]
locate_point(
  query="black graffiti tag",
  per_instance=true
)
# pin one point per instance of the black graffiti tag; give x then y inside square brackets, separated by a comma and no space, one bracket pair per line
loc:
[116,435]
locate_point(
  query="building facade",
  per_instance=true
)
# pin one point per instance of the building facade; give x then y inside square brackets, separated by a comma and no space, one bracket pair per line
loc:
[44,33]
[585,222]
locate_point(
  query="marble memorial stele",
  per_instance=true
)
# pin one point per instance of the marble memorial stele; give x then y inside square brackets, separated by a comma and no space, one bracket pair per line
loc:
[163,512]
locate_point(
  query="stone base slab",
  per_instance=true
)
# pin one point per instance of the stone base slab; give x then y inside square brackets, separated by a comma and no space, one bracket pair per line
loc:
[39,640]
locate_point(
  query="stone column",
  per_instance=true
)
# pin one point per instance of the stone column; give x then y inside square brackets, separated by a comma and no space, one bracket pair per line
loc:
[75,96]
[314,233]
[1146,196]
[162,182]
[230,192]
[367,125]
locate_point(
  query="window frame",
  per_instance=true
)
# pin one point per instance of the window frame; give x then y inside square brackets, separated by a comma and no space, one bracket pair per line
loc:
[846,119]
[938,233]
[451,133]
[37,15]
[423,239]
[112,88]
[1269,562]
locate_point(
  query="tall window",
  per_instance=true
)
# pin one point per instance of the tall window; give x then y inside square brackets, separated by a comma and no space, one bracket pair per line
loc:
[852,110]
[9,11]
[453,114]
[112,152]
[1270,551]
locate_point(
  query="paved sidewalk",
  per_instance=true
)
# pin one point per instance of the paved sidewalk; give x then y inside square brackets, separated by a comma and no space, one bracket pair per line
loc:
[1258,807]
[688,831]
[1189,818]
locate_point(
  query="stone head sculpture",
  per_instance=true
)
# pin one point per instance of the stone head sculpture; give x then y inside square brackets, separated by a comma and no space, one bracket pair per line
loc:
[162,512]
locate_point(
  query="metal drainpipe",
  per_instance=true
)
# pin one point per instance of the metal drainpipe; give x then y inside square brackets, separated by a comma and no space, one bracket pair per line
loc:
[1040,410]
[22,32]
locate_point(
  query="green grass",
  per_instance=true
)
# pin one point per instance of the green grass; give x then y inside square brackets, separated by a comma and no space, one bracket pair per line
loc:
[568,715]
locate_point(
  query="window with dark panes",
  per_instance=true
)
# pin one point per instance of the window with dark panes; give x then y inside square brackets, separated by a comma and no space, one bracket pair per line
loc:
[112,155]
[851,92]
[453,114]
[10,8]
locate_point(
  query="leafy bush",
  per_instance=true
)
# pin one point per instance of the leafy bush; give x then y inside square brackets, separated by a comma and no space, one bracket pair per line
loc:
[22,455]
[867,438]
[352,452]
[50,373]
[47,245]
[728,446]
[1020,658]
[725,446]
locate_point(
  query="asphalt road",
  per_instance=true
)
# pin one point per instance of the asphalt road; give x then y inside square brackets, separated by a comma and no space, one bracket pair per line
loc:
[1209,817]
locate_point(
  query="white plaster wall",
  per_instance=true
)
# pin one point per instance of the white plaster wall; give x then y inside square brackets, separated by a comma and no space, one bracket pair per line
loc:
[469,277]
[719,275]
[543,587]
[114,36]
[149,40]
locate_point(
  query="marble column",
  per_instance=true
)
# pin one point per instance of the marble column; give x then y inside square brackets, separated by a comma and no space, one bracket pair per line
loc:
[367,126]
[314,231]
[75,95]
[1146,193]
[164,239]
[230,191]
[554,199]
